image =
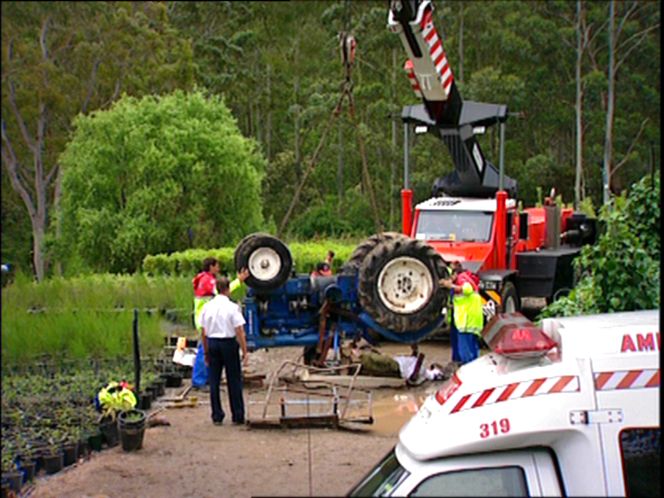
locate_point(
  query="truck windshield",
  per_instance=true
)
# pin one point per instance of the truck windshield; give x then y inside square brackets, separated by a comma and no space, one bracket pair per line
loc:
[461,226]
[387,475]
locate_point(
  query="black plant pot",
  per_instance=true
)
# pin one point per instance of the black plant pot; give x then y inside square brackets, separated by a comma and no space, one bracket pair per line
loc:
[53,462]
[70,454]
[154,392]
[185,371]
[83,448]
[145,400]
[27,468]
[95,441]
[15,480]
[161,387]
[131,431]
[173,379]
[110,432]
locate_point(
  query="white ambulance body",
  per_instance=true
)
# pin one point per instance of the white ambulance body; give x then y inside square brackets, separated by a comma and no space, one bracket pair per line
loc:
[580,418]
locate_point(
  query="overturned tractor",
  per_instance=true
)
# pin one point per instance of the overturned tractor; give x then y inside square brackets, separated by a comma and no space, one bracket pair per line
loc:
[389,286]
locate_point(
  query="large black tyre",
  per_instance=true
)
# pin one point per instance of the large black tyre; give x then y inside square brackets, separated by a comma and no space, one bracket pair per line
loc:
[399,284]
[356,258]
[509,299]
[239,249]
[268,260]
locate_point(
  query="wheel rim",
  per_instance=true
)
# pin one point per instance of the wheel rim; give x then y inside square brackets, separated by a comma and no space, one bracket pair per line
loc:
[405,285]
[264,264]
[509,305]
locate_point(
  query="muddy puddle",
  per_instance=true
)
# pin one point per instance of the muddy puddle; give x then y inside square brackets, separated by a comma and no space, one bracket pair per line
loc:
[392,410]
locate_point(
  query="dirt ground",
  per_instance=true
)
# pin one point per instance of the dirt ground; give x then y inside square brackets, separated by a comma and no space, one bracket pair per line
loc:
[193,458]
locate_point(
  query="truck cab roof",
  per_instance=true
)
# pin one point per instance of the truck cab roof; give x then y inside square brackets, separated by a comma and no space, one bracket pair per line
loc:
[461,204]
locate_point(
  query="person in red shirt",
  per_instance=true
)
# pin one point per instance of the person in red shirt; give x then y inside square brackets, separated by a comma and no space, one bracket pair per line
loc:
[205,288]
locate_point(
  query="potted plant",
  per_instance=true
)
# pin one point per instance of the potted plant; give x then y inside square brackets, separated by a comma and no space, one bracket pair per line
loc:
[113,399]
[26,458]
[10,472]
[53,455]
[131,424]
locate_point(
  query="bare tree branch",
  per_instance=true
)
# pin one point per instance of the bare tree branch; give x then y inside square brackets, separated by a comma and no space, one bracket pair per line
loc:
[91,85]
[12,166]
[629,150]
[42,38]
[19,118]
[51,174]
[621,25]
[638,42]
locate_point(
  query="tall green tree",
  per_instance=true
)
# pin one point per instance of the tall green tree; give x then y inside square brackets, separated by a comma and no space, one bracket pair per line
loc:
[155,175]
[64,58]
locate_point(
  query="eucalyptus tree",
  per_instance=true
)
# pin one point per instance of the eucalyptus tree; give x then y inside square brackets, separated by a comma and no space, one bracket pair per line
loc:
[60,59]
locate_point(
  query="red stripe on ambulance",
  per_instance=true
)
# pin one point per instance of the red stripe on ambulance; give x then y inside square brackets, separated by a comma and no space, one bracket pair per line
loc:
[517,390]
[626,379]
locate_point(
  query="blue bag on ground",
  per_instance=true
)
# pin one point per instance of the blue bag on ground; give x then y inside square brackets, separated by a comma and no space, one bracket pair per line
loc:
[199,376]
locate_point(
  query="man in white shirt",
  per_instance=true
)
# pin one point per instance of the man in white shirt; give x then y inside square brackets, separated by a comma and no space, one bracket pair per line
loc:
[223,336]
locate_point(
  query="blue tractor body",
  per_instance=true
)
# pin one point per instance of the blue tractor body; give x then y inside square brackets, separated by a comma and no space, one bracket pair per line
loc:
[305,311]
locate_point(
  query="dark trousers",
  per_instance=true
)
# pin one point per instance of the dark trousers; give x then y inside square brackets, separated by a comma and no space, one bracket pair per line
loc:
[225,355]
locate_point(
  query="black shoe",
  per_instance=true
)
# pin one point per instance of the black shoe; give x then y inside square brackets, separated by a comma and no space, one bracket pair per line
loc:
[217,422]
[238,422]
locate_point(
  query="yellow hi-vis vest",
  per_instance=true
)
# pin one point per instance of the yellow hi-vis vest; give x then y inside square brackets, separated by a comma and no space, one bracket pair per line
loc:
[199,302]
[468,316]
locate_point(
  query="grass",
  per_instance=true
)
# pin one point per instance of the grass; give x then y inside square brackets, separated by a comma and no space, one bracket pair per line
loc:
[86,317]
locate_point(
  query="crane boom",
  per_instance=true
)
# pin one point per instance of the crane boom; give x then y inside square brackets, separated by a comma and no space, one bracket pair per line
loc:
[443,110]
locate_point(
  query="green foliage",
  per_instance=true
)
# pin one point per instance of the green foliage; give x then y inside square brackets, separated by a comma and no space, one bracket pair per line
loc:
[86,317]
[335,218]
[81,334]
[157,174]
[60,59]
[305,256]
[621,272]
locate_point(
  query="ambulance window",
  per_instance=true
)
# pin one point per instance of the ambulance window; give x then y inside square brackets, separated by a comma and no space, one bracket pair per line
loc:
[641,452]
[383,479]
[501,481]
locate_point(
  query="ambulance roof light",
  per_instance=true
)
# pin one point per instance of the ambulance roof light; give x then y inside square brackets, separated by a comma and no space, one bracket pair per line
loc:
[514,336]
[514,341]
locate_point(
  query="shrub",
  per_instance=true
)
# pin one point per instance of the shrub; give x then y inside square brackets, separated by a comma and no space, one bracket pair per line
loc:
[621,272]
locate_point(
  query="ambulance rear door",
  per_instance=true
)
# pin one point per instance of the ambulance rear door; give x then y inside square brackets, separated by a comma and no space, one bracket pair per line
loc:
[627,393]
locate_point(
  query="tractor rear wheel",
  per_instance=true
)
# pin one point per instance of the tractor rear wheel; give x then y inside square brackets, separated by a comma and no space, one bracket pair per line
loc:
[268,260]
[399,284]
[357,256]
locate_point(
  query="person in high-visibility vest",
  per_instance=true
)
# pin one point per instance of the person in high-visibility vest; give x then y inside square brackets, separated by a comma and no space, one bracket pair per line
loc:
[205,288]
[467,319]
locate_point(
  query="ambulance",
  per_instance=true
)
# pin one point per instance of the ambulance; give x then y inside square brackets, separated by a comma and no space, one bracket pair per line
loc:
[569,408]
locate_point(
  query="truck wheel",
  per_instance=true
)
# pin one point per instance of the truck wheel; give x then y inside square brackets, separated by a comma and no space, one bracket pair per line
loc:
[399,284]
[240,248]
[356,258]
[509,299]
[268,259]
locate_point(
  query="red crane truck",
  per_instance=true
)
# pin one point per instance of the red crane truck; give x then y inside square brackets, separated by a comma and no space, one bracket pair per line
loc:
[473,216]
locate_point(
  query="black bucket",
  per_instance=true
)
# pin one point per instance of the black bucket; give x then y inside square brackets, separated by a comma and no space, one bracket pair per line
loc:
[15,480]
[110,432]
[131,425]
[53,462]
[27,468]
[173,379]
[70,454]
[145,400]
[95,441]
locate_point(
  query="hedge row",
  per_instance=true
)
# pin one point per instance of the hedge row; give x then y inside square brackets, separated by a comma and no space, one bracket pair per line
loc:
[305,257]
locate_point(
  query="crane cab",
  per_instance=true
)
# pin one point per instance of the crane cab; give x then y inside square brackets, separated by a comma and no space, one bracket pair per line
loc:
[566,409]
